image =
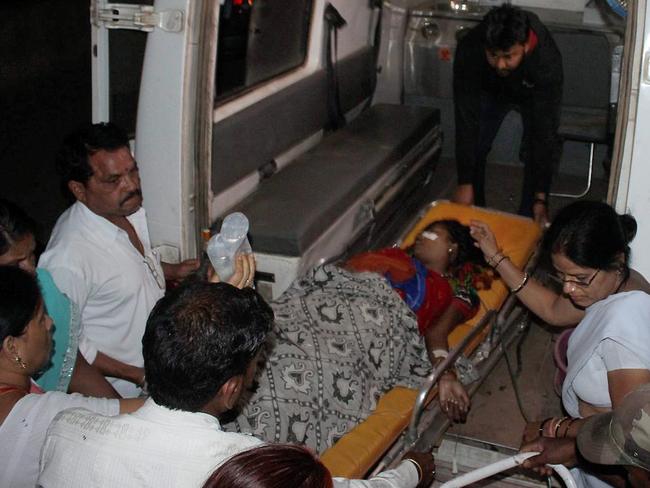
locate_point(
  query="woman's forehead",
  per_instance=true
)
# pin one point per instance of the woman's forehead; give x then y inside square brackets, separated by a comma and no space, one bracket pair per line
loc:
[563,263]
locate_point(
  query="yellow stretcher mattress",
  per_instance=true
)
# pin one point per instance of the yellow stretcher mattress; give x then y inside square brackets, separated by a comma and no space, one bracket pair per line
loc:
[355,454]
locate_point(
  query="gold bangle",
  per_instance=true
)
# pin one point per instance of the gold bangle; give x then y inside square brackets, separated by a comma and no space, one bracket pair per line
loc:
[568,426]
[522,284]
[496,265]
[418,467]
[490,260]
[542,424]
[557,426]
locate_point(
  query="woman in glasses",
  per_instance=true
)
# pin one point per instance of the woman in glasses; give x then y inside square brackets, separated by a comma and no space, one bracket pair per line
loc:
[609,351]
[66,371]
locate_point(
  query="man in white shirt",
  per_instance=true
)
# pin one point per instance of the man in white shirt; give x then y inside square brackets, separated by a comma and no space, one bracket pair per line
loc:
[100,256]
[200,350]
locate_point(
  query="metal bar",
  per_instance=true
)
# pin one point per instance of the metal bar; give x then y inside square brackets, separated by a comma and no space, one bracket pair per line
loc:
[432,379]
[592,147]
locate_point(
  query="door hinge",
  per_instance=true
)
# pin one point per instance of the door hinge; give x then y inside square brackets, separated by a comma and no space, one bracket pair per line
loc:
[134,17]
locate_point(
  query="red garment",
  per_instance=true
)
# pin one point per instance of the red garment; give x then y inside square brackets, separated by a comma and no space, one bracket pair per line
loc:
[398,265]
[33,388]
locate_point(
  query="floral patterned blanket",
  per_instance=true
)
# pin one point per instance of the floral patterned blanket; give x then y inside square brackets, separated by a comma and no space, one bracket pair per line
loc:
[340,341]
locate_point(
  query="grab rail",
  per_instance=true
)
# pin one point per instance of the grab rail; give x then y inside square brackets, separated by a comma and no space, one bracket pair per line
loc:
[504,465]
[433,377]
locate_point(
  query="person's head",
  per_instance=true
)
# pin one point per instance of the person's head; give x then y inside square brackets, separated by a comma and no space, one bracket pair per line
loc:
[621,437]
[17,242]
[200,346]
[97,167]
[272,466]
[589,247]
[25,336]
[446,244]
[505,38]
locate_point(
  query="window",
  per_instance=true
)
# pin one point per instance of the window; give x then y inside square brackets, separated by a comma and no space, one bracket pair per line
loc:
[258,40]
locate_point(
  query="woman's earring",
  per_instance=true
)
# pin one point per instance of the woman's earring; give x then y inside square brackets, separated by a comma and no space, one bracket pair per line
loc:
[19,361]
[450,250]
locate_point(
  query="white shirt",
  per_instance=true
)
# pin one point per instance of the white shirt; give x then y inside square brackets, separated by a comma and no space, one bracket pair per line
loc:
[154,447]
[94,263]
[23,431]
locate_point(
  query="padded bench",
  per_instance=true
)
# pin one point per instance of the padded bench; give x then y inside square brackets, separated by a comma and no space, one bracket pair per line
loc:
[292,209]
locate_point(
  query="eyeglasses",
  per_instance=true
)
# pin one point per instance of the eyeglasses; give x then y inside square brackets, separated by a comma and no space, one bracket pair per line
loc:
[157,275]
[561,279]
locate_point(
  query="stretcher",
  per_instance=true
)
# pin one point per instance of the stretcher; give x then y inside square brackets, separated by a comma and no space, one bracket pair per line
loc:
[406,418]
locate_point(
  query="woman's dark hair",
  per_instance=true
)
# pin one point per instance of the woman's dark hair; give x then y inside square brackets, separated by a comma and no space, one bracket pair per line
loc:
[15,225]
[198,336]
[19,301]
[591,234]
[459,234]
[272,466]
[505,26]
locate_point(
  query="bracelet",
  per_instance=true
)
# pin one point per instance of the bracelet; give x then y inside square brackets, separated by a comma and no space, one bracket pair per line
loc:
[568,426]
[490,260]
[439,353]
[522,284]
[418,467]
[542,424]
[557,426]
[496,265]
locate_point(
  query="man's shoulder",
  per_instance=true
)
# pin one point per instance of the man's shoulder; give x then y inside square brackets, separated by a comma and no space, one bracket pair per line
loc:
[83,421]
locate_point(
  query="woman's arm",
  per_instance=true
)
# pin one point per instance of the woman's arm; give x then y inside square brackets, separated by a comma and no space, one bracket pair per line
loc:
[623,381]
[551,307]
[453,398]
[88,381]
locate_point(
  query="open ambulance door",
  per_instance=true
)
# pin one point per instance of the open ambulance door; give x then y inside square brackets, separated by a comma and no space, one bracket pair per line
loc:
[629,189]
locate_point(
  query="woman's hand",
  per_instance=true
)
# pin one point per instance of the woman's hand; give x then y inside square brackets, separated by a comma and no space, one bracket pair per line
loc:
[532,431]
[243,275]
[484,238]
[551,451]
[453,398]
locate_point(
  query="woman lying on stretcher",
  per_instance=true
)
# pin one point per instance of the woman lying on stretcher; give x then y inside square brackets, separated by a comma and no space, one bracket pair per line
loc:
[438,282]
[342,338]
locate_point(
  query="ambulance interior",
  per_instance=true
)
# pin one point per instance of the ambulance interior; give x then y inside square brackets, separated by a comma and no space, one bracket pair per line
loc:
[330,125]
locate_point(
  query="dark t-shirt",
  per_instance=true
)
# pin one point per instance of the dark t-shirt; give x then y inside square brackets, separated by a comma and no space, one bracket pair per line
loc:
[536,85]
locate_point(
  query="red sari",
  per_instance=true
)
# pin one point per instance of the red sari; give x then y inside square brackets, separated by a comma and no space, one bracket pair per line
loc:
[426,292]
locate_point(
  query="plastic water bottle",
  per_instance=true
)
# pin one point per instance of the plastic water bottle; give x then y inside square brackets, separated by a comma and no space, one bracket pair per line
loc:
[228,243]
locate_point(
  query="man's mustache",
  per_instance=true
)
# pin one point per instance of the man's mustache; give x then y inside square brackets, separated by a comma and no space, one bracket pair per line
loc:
[135,193]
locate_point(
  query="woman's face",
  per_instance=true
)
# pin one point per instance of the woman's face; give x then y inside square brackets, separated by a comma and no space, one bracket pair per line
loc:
[21,254]
[35,344]
[584,286]
[432,247]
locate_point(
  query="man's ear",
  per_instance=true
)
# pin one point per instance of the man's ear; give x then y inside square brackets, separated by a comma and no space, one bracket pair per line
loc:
[78,190]
[231,391]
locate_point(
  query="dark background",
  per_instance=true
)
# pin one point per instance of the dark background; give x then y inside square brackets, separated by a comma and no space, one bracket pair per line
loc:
[45,85]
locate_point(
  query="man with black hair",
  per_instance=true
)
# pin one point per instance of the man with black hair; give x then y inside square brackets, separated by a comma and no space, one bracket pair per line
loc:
[201,348]
[100,256]
[508,61]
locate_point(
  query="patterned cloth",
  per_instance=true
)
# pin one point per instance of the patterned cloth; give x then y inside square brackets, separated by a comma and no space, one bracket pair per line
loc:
[341,340]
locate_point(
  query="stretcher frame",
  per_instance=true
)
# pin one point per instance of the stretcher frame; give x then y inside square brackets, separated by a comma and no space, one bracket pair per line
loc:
[427,422]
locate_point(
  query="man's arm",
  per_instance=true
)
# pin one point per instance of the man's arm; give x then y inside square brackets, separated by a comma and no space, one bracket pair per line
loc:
[406,475]
[179,271]
[89,381]
[109,366]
